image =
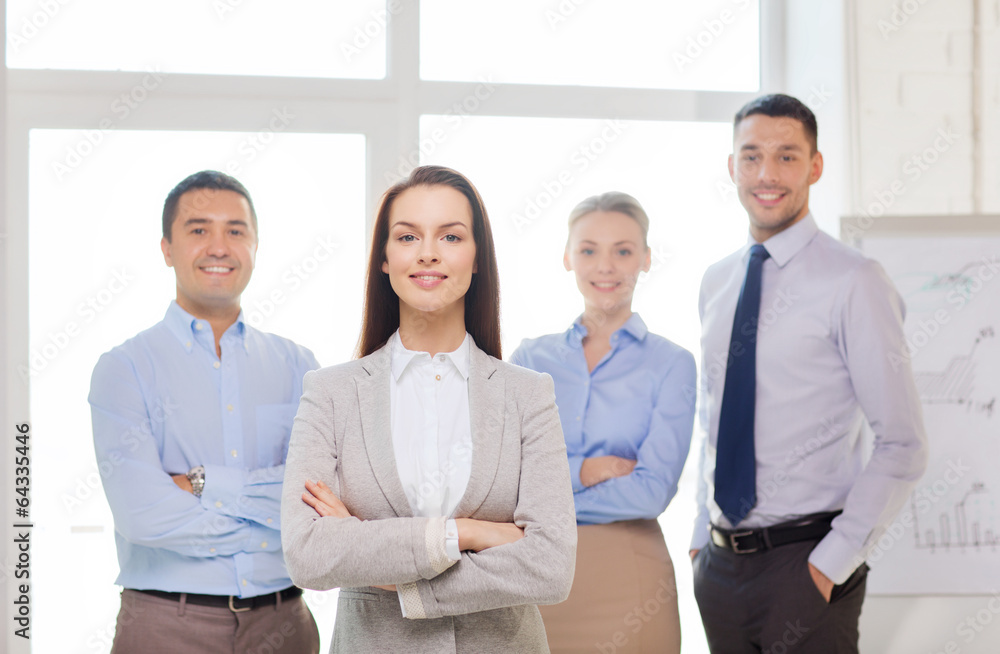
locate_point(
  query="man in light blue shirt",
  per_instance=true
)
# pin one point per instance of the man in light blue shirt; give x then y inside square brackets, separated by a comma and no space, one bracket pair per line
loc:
[791,498]
[193,415]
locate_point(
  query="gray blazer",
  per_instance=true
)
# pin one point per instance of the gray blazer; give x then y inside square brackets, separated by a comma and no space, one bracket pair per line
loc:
[485,602]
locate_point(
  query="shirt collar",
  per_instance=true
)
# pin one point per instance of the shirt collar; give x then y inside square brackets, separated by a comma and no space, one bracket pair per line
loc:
[783,246]
[634,327]
[401,357]
[184,327]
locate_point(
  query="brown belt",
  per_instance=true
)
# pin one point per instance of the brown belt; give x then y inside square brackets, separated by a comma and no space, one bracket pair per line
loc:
[233,603]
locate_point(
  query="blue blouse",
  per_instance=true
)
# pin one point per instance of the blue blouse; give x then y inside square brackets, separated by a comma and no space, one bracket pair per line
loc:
[638,403]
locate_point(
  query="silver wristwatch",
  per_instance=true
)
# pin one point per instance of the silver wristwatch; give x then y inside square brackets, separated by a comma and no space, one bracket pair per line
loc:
[196,476]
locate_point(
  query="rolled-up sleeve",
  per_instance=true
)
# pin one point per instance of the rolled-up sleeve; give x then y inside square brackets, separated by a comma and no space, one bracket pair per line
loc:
[149,509]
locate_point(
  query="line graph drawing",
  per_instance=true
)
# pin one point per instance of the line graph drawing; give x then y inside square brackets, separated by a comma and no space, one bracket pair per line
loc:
[927,289]
[953,530]
[955,384]
[946,281]
[950,386]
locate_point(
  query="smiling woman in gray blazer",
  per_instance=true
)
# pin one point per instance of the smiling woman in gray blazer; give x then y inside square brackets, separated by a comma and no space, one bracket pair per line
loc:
[428,479]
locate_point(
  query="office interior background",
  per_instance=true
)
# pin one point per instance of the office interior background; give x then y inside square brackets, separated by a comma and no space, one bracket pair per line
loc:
[318,107]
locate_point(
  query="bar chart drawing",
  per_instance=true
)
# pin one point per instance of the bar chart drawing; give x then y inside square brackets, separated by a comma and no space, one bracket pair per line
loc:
[953,530]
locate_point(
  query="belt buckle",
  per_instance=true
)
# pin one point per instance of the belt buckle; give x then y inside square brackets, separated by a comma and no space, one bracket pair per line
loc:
[739,534]
[236,610]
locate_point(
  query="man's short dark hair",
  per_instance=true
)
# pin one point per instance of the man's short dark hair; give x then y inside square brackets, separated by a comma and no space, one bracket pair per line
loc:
[211,179]
[778,105]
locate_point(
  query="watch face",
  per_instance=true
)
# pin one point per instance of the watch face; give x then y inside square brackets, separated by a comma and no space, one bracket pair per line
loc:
[197,478]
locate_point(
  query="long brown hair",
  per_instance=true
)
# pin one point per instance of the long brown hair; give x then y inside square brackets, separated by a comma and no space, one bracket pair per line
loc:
[482,300]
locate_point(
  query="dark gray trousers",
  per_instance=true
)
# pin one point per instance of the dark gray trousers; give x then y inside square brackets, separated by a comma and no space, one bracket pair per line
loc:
[767,603]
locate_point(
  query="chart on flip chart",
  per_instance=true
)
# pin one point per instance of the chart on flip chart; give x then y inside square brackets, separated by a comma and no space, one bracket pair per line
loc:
[946,539]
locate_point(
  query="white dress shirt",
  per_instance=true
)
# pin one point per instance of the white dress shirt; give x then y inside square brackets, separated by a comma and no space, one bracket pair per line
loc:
[431,434]
[431,428]
[829,319]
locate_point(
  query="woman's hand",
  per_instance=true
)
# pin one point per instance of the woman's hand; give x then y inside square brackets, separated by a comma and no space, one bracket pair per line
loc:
[602,468]
[319,496]
[479,535]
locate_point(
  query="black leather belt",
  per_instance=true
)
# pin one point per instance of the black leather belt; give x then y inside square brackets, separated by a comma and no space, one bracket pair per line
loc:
[748,541]
[233,603]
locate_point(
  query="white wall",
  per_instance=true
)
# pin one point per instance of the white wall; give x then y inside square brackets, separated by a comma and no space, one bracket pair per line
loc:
[895,72]
[914,79]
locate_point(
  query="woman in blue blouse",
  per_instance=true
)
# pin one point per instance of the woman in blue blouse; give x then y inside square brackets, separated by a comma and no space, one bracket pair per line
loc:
[626,400]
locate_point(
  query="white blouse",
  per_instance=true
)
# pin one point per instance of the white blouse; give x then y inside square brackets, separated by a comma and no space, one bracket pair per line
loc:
[431,429]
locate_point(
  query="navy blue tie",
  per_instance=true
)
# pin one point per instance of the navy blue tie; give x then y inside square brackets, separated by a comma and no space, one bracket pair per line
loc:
[735,464]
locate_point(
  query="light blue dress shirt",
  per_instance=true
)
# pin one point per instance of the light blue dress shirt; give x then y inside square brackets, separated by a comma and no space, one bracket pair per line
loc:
[162,403]
[829,322]
[638,403]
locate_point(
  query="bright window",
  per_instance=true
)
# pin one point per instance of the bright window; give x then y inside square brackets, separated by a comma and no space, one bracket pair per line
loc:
[297,38]
[711,45]
[533,171]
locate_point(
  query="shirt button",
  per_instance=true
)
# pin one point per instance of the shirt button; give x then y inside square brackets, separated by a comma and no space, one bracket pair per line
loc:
[263,545]
[216,365]
[244,582]
[229,408]
[269,521]
[233,452]
[218,505]
[211,550]
[578,418]
[197,326]
[437,377]
[188,344]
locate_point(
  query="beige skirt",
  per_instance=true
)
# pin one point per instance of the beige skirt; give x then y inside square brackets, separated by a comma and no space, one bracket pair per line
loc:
[624,597]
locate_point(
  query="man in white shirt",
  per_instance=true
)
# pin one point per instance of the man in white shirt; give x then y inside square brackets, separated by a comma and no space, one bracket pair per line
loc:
[797,330]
